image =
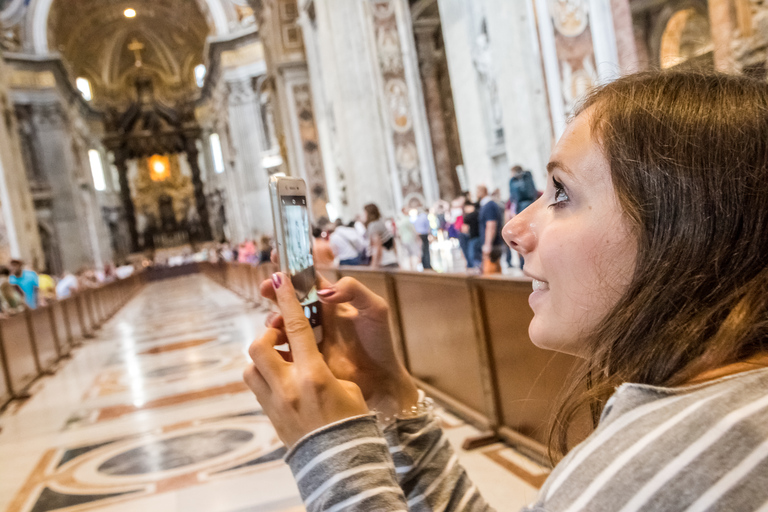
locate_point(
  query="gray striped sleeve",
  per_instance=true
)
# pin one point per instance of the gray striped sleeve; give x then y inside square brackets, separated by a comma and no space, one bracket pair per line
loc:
[346,466]
[428,469]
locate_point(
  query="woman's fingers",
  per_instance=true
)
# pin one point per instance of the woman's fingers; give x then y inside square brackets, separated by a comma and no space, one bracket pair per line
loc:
[268,363]
[257,384]
[297,328]
[352,291]
[267,290]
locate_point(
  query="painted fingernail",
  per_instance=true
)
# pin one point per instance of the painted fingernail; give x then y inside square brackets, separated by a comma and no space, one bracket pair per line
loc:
[326,292]
[277,281]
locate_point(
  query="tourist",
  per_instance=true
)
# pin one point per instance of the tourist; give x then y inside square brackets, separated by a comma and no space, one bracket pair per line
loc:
[410,241]
[490,221]
[347,244]
[67,285]
[27,280]
[522,193]
[322,253]
[265,249]
[422,226]
[649,258]
[471,229]
[46,288]
[11,296]
[380,239]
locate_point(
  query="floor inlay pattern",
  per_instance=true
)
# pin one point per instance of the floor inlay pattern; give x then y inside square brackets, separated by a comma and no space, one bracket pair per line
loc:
[152,415]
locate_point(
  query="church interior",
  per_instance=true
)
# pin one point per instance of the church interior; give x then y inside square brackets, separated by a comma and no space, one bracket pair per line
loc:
[139,136]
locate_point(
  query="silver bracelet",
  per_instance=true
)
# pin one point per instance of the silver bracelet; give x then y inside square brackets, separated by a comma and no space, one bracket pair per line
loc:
[423,406]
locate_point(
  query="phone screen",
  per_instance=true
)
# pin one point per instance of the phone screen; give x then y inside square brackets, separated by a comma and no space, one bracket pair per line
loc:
[299,248]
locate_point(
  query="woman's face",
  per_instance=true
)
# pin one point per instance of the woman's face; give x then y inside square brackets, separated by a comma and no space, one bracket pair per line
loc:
[577,244]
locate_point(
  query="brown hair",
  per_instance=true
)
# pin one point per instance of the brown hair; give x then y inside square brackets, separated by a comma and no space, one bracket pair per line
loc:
[371,213]
[688,154]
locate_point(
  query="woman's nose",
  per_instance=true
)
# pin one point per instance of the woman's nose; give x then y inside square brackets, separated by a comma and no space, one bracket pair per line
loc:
[518,232]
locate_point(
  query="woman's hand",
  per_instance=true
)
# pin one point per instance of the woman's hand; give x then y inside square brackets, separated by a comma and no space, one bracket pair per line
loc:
[302,396]
[357,344]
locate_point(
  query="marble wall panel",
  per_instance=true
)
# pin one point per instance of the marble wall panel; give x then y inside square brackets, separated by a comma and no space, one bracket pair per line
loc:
[398,110]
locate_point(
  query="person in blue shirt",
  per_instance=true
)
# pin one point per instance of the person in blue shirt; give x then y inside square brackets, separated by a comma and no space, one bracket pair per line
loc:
[26,280]
[522,192]
[491,220]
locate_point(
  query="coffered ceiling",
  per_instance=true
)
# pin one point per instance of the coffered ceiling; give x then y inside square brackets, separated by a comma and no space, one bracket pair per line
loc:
[165,39]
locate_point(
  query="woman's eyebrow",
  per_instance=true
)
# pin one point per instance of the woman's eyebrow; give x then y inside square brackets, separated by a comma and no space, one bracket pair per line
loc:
[554,164]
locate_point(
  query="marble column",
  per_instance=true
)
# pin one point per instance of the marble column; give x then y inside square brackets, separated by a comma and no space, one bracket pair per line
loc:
[302,130]
[125,196]
[460,22]
[446,174]
[19,236]
[402,102]
[64,171]
[249,178]
[197,183]
[353,122]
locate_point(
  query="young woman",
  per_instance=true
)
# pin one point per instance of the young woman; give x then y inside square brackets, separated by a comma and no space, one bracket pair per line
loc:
[382,242]
[649,258]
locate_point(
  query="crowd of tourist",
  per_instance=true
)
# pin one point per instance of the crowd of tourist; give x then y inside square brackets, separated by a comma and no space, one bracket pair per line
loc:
[468,228]
[22,288]
[464,234]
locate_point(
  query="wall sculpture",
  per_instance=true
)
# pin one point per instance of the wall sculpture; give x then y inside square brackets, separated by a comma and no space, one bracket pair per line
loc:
[575,51]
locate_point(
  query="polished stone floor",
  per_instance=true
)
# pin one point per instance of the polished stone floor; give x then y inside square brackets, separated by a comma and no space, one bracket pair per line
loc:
[152,416]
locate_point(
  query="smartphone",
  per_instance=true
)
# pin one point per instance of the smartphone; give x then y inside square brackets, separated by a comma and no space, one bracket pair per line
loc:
[294,243]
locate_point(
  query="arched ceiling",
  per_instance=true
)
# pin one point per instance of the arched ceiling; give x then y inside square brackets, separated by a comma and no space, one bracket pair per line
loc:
[100,43]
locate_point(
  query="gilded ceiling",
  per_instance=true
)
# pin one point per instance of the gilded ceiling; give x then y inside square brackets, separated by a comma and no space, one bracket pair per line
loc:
[165,39]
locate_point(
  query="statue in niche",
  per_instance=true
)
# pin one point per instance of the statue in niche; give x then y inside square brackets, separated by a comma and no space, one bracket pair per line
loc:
[483,61]
[389,50]
[396,92]
[577,81]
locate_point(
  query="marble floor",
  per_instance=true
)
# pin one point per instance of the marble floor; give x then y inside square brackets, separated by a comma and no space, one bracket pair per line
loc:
[152,415]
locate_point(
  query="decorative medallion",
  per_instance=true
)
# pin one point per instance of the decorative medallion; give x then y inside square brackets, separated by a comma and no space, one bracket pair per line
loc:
[117,470]
[383,9]
[570,17]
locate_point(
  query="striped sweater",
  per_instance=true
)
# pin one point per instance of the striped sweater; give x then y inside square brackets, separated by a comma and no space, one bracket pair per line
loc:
[694,448]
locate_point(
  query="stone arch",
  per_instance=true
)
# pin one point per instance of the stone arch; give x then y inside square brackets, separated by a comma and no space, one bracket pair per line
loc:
[172,68]
[219,14]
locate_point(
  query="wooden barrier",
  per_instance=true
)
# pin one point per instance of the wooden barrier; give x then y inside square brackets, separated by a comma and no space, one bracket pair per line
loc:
[441,338]
[23,366]
[465,340]
[61,326]
[43,335]
[528,380]
[32,342]
[5,378]
[70,309]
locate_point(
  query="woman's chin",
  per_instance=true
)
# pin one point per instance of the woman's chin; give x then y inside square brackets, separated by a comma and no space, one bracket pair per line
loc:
[544,338]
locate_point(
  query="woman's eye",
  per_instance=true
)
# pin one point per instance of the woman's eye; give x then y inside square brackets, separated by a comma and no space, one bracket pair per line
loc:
[561,197]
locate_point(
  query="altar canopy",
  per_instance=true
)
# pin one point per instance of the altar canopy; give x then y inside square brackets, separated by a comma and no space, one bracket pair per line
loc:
[165,204]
